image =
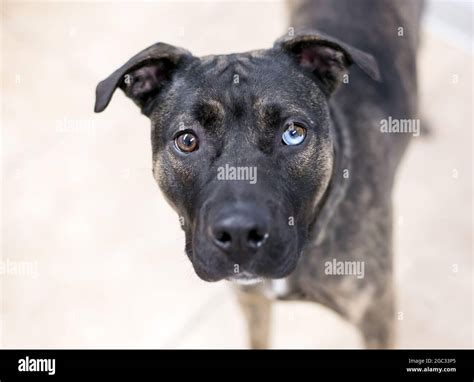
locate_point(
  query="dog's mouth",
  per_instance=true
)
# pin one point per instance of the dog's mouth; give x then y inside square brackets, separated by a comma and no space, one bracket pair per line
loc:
[245,278]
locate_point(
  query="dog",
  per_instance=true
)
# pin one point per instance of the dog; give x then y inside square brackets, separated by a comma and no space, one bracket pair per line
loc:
[314,223]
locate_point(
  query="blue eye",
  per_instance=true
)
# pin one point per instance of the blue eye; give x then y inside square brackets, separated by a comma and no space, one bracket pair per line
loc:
[294,134]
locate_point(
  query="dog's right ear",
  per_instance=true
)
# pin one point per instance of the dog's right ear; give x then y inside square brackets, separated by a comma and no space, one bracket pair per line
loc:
[143,76]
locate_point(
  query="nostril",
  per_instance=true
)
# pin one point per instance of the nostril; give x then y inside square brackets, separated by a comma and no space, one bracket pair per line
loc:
[256,238]
[223,237]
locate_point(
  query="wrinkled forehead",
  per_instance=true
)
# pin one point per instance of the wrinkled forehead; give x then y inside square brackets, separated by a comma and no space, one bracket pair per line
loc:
[232,66]
[257,74]
[255,85]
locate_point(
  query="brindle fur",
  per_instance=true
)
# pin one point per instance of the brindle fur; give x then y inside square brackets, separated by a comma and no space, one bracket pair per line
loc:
[348,218]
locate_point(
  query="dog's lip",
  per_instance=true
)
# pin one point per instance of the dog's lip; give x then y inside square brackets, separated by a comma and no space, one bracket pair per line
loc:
[245,278]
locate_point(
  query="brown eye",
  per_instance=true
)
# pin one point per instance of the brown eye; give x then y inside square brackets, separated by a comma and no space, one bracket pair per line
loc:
[186,142]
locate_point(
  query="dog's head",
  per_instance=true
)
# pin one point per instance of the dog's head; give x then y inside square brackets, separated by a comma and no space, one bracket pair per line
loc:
[242,145]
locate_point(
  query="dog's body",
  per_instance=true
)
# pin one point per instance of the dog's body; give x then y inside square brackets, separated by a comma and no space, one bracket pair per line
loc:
[359,225]
[345,214]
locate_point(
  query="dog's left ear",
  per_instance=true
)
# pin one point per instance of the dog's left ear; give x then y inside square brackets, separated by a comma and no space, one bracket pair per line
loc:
[326,57]
[143,76]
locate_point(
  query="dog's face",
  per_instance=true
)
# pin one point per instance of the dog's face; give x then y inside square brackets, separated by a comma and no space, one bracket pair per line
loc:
[242,146]
[254,115]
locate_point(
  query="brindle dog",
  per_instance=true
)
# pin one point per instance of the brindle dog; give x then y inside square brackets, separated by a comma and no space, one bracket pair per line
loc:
[305,115]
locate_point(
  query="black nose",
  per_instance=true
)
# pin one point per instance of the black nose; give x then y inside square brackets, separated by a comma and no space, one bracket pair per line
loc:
[240,231]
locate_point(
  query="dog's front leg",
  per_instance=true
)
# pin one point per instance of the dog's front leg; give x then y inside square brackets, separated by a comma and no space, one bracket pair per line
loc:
[257,311]
[378,323]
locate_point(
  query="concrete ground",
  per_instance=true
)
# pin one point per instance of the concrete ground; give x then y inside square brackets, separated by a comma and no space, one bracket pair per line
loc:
[92,254]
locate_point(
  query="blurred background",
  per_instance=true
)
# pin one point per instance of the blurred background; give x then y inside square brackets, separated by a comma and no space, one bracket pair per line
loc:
[91,254]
